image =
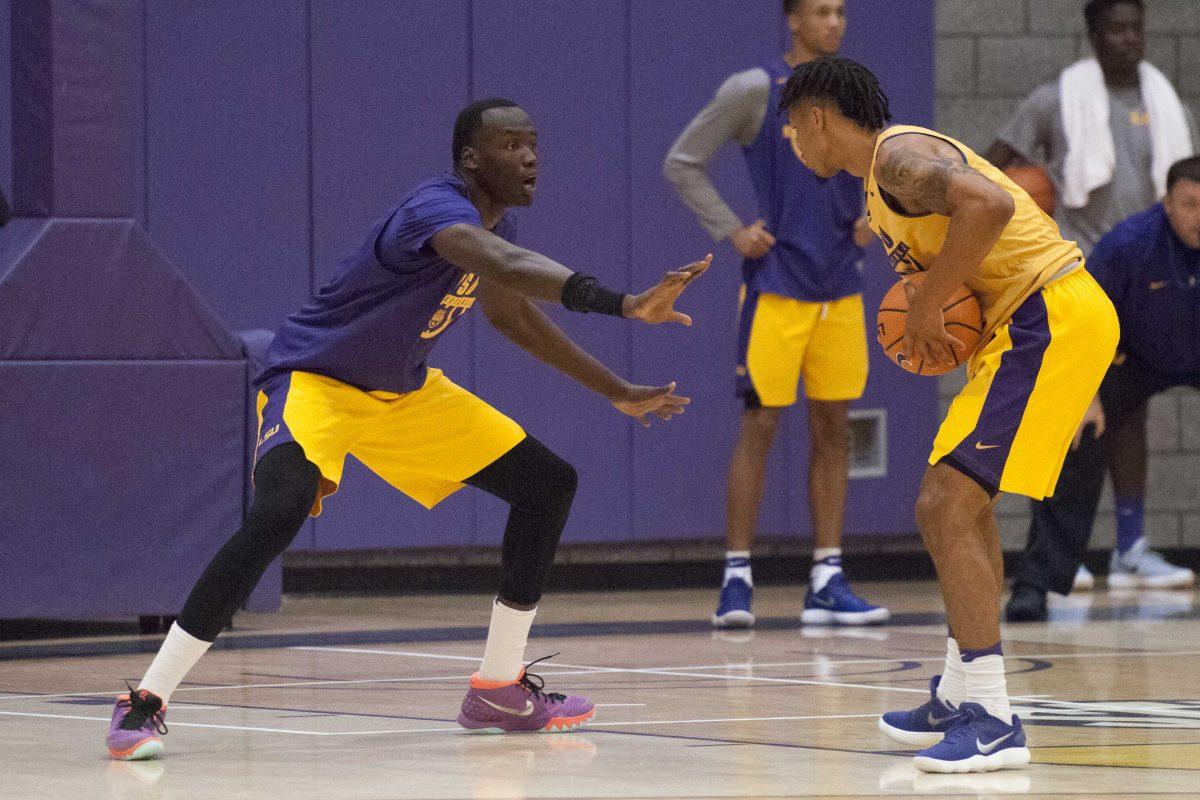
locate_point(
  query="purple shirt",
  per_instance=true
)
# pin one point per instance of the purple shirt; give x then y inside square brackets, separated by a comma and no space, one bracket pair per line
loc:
[373,324]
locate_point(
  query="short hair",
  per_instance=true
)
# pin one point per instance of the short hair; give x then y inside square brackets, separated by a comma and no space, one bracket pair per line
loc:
[790,6]
[853,88]
[1095,11]
[470,120]
[1187,169]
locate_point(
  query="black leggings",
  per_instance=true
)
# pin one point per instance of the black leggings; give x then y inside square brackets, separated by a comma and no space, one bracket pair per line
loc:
[536,483]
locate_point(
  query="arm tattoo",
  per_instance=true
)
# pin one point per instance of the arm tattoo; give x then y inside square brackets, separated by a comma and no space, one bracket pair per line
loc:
[920,179]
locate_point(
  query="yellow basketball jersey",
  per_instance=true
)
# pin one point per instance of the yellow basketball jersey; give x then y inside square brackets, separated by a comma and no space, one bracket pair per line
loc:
[1030,252]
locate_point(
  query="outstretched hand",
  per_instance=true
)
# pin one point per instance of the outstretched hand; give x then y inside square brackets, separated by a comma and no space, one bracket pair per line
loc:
[657,304]
[641,401]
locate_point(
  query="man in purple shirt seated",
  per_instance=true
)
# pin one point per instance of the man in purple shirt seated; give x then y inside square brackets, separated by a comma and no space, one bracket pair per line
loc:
[347,375]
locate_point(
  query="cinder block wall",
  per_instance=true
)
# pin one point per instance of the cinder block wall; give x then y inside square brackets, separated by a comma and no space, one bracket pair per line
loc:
[990,55]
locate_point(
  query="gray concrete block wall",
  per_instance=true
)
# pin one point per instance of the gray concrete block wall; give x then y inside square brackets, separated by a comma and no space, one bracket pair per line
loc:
[990,55]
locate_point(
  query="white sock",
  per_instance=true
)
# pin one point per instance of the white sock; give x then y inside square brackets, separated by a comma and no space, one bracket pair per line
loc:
[952,689]
[179,653]
[505,650]
[827,562]
[737,565]
[986,686]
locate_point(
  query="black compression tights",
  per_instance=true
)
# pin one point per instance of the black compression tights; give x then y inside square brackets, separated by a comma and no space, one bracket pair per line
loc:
[540,487]
[536,483]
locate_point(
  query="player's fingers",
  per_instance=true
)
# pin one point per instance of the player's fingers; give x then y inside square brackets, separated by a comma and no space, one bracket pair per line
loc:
[681,318]
[1099,427]
[768,238]
[954,344]
[1077,439]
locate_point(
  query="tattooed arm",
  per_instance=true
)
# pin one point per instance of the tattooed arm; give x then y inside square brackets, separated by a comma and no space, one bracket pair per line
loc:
[928,176]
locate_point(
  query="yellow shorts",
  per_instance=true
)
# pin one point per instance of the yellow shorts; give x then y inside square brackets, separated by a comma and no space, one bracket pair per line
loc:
[781,338]
[425,443]
[1028,388]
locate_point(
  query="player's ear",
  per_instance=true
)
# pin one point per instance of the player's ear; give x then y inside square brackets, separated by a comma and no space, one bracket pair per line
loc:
[469,159]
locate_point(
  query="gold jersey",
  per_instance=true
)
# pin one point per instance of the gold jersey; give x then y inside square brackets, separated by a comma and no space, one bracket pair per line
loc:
[1031,251]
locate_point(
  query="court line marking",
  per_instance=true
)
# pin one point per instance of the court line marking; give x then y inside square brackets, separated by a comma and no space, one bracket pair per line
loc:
[445,728]
[595,670]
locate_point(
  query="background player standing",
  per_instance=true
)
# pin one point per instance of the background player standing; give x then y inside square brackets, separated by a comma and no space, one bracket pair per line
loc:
[1049,334]
[801,311]
[347,374]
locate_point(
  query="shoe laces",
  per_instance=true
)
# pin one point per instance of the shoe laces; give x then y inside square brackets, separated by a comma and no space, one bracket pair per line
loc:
[535,684]
[961,728]
[143,707]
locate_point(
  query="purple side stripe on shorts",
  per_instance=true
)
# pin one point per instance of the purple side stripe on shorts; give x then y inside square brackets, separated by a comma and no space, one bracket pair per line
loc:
[987,447]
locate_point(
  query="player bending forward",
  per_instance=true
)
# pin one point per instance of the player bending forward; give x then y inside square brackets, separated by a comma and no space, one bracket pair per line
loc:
[1050,333]
[347,374]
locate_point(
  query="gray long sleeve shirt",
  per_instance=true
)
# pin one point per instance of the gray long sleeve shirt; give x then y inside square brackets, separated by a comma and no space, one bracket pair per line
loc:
[736,113]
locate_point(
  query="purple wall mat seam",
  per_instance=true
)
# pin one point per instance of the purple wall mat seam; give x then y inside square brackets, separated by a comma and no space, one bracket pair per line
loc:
[22,203]
[145,119]
[308,98]
[472,339]
[630,454]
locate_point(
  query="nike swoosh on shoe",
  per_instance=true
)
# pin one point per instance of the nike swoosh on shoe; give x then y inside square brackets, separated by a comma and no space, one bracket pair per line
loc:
[516,712]
[986,749]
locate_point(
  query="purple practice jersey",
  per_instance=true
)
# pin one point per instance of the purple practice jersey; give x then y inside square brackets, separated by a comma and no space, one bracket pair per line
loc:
[373,324]
[812,219]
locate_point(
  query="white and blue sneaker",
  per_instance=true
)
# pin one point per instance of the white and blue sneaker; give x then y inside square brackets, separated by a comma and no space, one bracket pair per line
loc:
[977,742]
[1143,568]
[837,604]
[923,726]
[733,609]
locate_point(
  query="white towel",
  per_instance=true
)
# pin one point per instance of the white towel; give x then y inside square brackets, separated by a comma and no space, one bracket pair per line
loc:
[1091,157]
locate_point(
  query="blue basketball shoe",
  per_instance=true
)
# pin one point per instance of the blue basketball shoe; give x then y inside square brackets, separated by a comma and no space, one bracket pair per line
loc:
[733,609]
[837,604]
[923,726]
[977,742]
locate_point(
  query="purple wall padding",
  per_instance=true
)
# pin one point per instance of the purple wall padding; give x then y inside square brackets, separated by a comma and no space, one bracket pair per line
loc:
[77,127]
[369,148]
[273,133]
[227,151]
[6,98]
[679,470]
[33,119]
[120,487]
[574,88]
[86,289]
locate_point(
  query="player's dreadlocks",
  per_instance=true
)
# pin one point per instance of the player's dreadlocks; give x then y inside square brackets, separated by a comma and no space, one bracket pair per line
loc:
[853,88]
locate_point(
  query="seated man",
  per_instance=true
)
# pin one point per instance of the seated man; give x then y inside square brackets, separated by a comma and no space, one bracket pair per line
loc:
[1150,266]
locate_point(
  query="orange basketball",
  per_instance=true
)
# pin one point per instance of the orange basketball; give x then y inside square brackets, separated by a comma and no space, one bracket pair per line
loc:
[1036,183]
[964,321]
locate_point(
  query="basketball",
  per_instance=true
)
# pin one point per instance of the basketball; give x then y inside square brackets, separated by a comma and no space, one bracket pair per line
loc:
[1036,183]
[964,321]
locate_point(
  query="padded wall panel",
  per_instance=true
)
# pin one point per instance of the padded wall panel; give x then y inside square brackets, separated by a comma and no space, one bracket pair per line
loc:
[228,152]
[116,451]
[568,70]
[679,474]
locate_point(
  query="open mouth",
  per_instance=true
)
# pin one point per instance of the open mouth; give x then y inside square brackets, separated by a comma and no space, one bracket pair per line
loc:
[530,183]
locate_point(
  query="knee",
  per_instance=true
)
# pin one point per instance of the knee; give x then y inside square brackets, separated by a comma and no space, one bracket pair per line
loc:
[760,423]
[931,514]
[830,436]
[284,492]
[560,480]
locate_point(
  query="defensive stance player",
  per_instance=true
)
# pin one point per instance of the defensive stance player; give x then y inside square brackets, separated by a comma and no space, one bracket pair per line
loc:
[347,374]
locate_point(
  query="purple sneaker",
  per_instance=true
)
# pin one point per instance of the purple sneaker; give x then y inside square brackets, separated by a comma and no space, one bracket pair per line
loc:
[138,719]
[520,706]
